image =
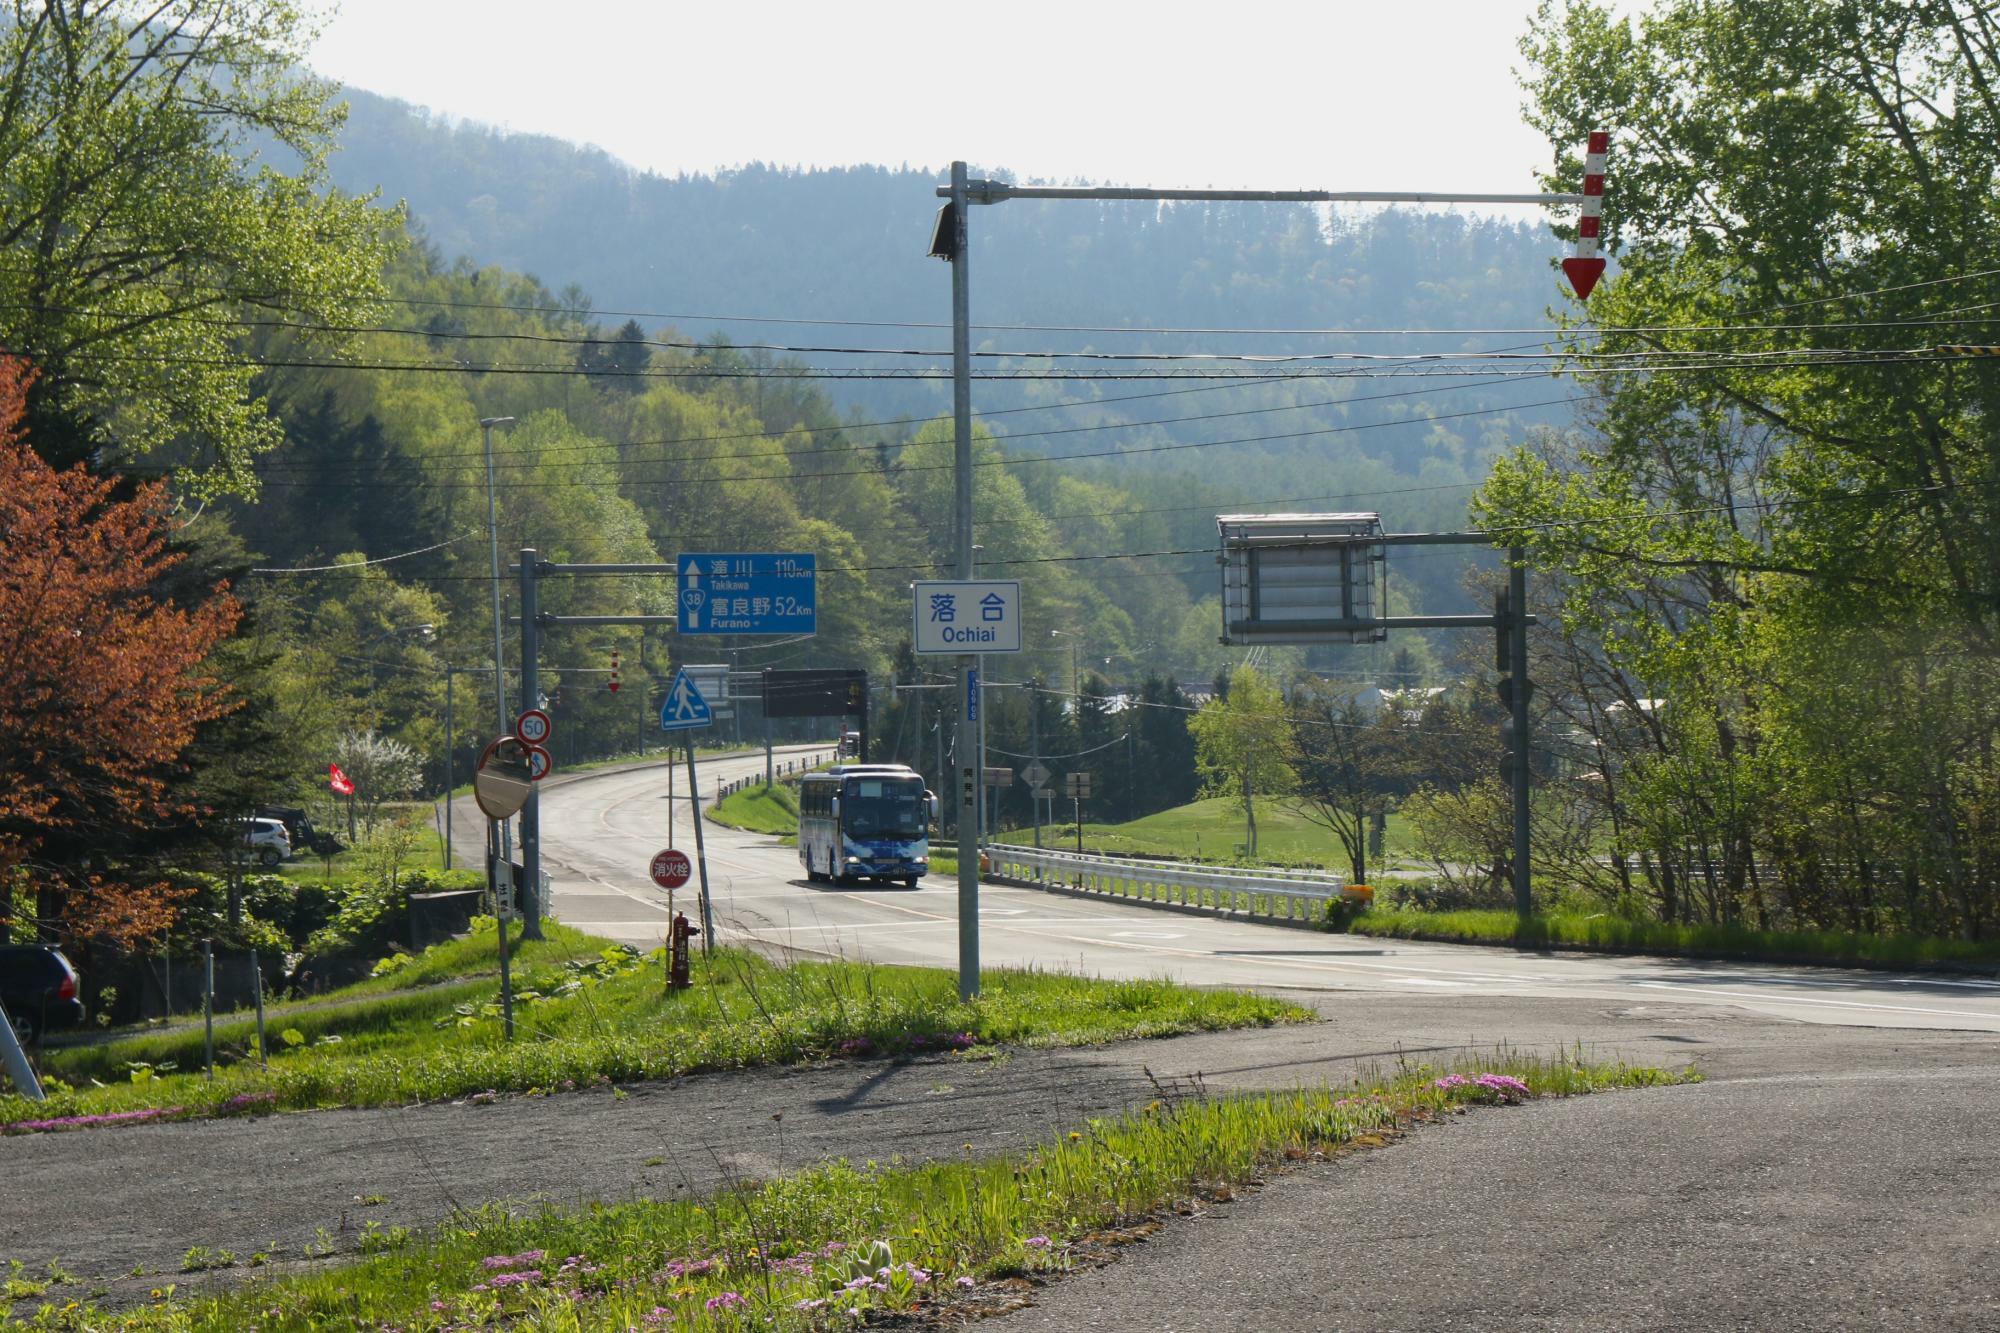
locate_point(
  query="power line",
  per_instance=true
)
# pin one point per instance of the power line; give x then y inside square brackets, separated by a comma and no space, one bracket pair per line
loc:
[418,461]
[1021,461]
[356,564]
[548,309]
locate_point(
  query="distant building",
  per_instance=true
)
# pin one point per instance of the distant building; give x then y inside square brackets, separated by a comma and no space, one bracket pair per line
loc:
[1407,702]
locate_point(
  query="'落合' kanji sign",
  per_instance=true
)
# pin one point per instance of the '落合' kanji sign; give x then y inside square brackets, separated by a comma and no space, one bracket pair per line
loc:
[967,617]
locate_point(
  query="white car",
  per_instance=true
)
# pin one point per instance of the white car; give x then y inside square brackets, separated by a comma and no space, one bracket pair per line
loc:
[267,840]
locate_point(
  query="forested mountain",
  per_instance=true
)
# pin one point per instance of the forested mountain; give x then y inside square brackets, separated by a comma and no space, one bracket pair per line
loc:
[767,257]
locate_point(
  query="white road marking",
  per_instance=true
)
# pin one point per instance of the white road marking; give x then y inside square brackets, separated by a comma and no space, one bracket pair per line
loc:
[1780,998]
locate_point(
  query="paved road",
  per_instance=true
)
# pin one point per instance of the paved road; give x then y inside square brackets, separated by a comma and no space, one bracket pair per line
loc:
[1829,1200]
[141,1197]
[599,832]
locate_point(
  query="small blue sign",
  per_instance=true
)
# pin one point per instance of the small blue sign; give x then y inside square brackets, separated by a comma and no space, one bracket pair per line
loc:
[737,593]
[972,695]
[684,709]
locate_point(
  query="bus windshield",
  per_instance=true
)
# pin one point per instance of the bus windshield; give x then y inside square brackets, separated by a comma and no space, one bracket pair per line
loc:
[883,808]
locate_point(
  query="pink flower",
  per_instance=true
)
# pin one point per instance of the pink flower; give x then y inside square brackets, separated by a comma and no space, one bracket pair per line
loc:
[728,1300]
[1036,1242]
[965,1283]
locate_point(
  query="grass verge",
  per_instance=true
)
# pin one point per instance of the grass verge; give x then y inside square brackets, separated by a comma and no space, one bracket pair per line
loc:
[839,1245]
[1212,830]
[1617,935]
[759,809]
[591,1012]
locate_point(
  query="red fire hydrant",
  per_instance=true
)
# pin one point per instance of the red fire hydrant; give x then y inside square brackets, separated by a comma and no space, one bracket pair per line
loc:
[677,943]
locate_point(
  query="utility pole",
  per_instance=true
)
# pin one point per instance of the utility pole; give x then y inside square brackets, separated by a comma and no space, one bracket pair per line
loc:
[1517,654]
[450,678]
[966,750]
[531,813]
[1035,745]
[500,851]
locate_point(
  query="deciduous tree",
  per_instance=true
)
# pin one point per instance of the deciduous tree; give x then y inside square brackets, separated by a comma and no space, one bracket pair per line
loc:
[1241,740]
[149,205]
[102,681]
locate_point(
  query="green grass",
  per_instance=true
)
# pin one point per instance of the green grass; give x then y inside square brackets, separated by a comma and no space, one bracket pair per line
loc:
[759,809]
[1212,830]
[587,1011]
[1618,935]
[914,1235]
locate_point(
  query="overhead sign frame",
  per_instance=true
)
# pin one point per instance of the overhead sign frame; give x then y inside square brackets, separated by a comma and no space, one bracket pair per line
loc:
[1303,578]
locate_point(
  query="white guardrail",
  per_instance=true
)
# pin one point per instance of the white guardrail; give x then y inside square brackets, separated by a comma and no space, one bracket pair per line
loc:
[1281,895]
[783,770]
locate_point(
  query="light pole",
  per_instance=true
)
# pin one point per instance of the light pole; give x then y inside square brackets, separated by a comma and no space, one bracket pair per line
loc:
[502,855]
[1075,676]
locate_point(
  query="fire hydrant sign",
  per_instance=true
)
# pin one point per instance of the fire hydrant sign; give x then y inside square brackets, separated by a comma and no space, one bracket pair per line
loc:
[670,869]
[967,617]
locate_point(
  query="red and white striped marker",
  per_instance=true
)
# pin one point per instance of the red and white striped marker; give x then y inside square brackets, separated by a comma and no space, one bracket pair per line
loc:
[1587,266]
[614,673]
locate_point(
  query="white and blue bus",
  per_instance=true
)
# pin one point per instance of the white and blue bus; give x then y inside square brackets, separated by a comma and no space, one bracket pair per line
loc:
[865,821]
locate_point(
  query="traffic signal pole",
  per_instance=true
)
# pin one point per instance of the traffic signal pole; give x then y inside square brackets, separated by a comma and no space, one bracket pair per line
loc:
[966,750]
[531,691]
[951,240]
[1517,660]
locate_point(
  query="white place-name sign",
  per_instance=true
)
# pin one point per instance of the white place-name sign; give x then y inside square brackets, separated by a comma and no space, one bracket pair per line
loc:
[968,617]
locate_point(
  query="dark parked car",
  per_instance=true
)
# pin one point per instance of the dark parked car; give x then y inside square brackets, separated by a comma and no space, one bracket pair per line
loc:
[38,988]
[299,826]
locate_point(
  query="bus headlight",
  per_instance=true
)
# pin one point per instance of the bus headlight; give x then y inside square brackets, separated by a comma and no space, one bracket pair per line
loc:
[854,860]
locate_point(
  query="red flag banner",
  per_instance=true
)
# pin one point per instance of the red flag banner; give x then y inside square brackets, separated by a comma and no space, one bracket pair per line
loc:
[339,781]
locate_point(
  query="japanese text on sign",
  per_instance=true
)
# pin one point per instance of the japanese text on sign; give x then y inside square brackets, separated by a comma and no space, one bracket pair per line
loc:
[967,617]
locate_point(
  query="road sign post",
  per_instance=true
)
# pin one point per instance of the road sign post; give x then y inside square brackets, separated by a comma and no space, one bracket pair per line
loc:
[686,710]
[700,850]
[1078,787]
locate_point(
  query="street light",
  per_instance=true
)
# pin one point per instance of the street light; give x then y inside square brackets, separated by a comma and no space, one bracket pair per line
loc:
[1075,678]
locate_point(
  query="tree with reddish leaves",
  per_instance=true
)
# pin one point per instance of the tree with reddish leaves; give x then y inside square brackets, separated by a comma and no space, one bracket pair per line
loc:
[102,684]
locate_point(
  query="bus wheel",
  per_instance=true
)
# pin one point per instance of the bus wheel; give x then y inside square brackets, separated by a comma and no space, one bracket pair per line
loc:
[910,882]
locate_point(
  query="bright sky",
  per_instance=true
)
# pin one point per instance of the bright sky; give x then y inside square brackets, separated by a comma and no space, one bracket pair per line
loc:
[1276,94]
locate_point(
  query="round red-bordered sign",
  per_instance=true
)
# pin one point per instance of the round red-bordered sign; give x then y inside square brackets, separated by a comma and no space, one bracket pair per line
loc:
[670,869]
[533,726]
[540,762]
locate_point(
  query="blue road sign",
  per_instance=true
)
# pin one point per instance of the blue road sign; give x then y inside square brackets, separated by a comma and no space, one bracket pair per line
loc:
[684,709]
[748,593]
[972,695]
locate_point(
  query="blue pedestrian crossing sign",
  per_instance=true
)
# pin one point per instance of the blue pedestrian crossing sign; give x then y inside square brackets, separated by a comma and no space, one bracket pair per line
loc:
[684,708]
